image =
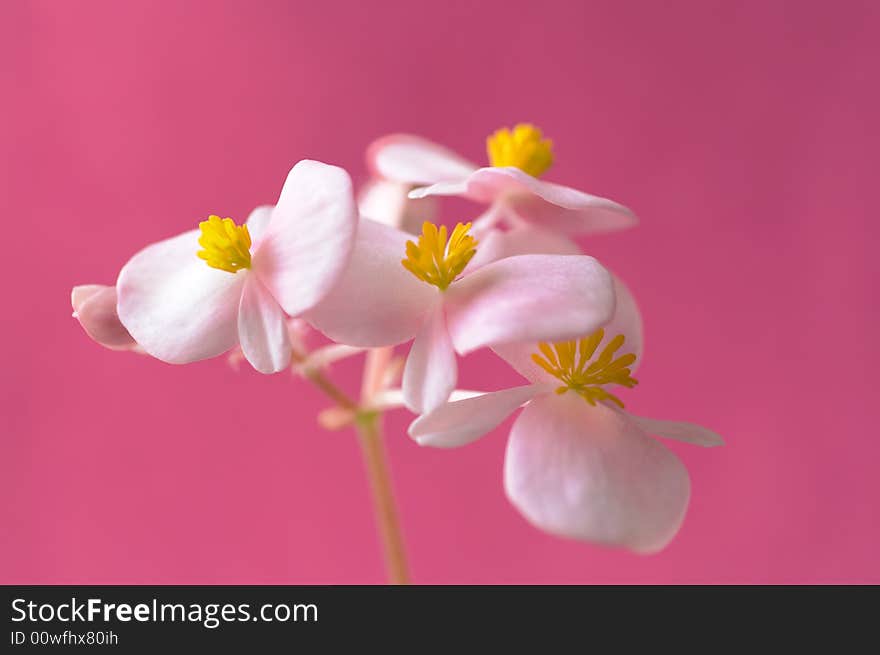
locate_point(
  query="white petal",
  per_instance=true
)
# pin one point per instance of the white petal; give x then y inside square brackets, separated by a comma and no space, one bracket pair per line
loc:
[529,298]
[262,329]
[495,244]
[177,307]
[377,302]
[387,202]
[309,237]
[414,160]
[431,370]
[460,422]
[258,221]
[590,473]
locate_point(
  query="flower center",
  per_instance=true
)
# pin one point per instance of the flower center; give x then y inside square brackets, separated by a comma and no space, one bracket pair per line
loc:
[567,361]
[435,261]
[225,245]
[524,148]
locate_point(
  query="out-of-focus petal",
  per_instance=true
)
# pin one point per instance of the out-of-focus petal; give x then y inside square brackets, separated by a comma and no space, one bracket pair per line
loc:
[529,298]
[376,302]
[571,211]
[94,306]
[460,422]
[309,238]
[262,329]
[175,306]
[590,473]
[552,206]
[431,370]
[322,357]
[627,321]
[525,239]
[258,221]
[387,202]
[414,160]
[679,430]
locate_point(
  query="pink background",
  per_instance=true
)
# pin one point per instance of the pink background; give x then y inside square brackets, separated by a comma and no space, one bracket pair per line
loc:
[743,133]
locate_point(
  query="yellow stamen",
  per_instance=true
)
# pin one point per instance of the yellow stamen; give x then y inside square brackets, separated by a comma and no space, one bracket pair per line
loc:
[567,361]
[524,148]
[434,260]
[225,245]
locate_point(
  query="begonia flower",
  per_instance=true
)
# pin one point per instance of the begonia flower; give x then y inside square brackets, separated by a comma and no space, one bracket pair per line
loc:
[94,306]
[395,289]
[577,464]
[510,184]
[199,294]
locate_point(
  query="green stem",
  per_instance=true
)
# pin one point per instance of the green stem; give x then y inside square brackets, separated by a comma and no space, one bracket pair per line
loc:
[387,519]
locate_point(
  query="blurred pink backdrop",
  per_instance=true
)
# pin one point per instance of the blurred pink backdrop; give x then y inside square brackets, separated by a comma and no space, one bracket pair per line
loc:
[742,133]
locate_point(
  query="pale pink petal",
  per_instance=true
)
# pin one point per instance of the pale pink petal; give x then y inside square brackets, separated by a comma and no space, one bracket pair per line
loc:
[414,160]
[299,331]
[679,430]
[262,329]
[376,302]
[387,202]
[393,398]
[589,473]
[377,364]
[491,246]
[570,211]
[309,237]
[431,370]
[524,239]
[460,422]
[489,219]
[82,292]
[94,306]
[627,321]
[394,372]
[529,298]
[177,307]
[552,206]
[258,221]
[321,358]
[453,188]
[536,240]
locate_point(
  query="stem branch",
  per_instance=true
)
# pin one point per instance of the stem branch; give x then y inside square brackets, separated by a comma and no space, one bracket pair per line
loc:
[375,458]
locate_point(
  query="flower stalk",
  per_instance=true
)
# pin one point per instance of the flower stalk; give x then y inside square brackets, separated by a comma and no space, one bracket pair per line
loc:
[368,426]
[384,506]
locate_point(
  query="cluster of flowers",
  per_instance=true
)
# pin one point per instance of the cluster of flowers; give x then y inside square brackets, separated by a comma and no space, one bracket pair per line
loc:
[373,271]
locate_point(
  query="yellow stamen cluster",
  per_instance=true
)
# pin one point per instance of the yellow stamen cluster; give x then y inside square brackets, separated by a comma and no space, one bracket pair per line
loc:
[524,147]
[435,261]
[225,245]
[567,361]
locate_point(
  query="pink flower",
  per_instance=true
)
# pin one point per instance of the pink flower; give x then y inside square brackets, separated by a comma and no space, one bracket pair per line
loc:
[394,291]
[94,306]
[578,465]
[183,304]
[510,185]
